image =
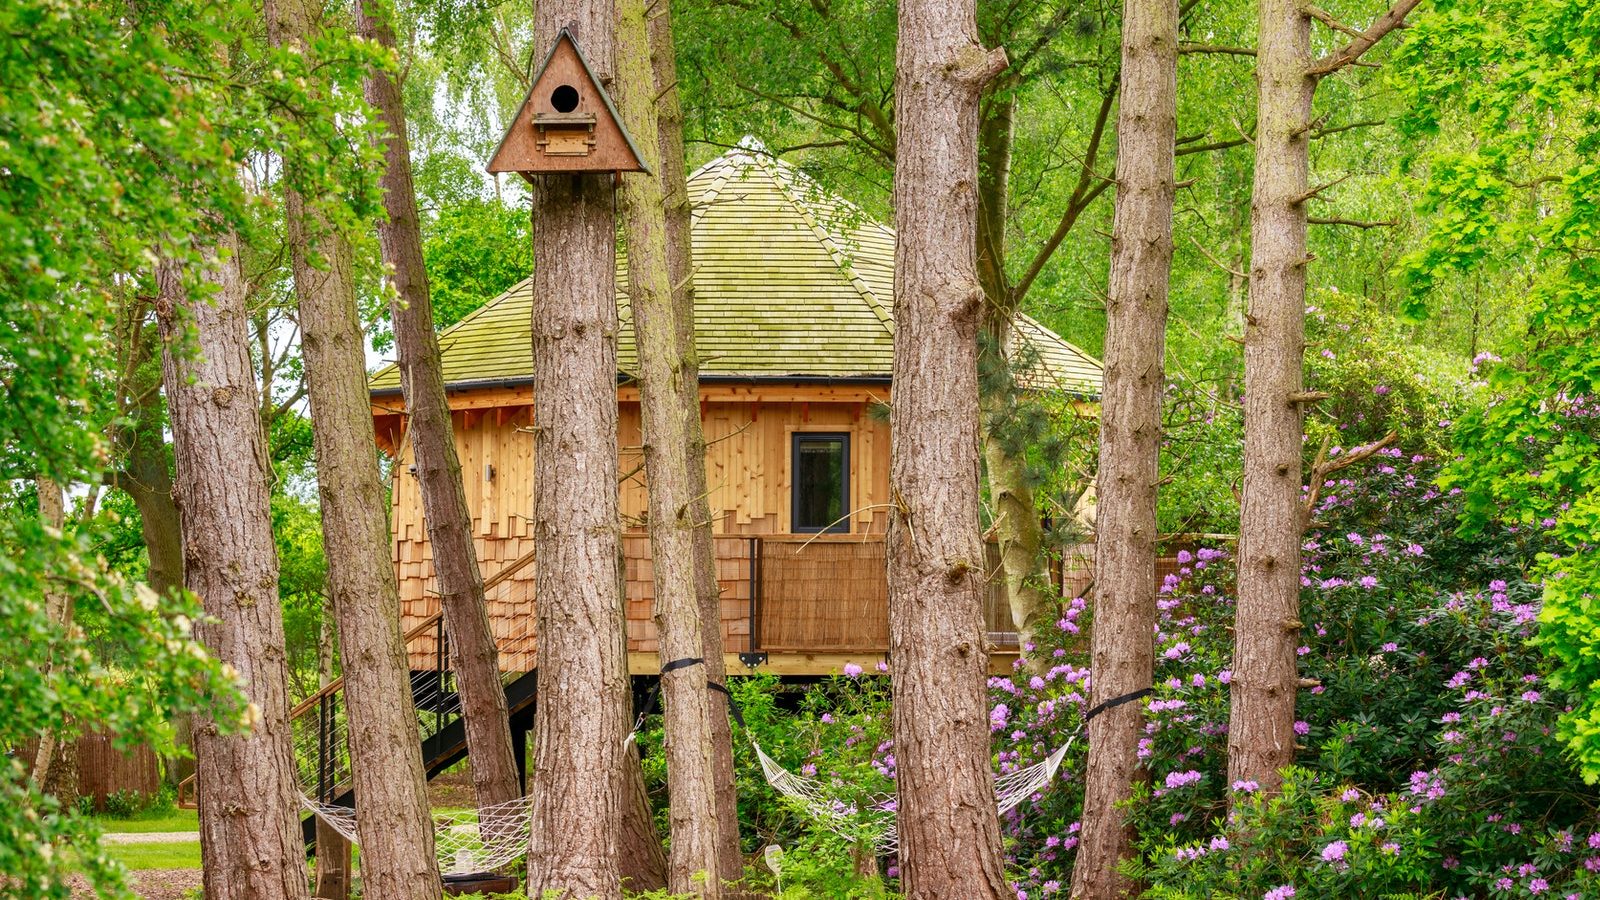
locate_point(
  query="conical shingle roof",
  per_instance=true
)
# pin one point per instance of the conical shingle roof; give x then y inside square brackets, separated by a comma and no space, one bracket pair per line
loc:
[790,281]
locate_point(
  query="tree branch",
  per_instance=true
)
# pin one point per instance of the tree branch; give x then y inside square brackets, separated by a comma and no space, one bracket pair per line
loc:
[1186,47]
[1326,18]
[1349,53]
[1090,185]
[1352,223]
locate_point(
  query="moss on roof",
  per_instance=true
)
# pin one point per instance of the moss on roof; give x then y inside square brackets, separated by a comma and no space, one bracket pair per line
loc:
[789,281]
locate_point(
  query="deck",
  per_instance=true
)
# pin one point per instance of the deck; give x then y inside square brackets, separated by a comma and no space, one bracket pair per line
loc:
[791,605]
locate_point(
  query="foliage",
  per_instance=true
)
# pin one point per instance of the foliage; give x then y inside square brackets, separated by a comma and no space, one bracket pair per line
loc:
[159,666]
[1524,195]
[1429,763]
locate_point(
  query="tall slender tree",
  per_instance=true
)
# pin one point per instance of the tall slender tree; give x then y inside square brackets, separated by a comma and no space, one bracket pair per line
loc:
[1272,514]
[433,447]
[393,824]
[680,273]
[245,782]
[55,761]
[693,863]
[1123,640]
[581,720]
[949,833]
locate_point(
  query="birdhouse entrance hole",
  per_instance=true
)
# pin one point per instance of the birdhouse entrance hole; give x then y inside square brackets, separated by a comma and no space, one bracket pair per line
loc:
[564,98]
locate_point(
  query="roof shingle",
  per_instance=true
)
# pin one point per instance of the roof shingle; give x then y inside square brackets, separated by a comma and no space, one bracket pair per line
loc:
[789,281]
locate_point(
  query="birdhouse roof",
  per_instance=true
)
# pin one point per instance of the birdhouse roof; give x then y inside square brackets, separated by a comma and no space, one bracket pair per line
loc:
[519,122]
[790,281]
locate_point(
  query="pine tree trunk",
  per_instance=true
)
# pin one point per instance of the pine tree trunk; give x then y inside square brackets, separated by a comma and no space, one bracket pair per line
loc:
[680,271]
[245,783]
[393,825]
[438,468]
[1271,520]
[582,715]
[949,831]
[55,762]
[693,866]
[641,860]
[1122,645]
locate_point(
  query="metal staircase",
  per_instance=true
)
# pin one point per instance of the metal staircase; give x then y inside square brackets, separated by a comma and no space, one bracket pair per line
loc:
[319,724]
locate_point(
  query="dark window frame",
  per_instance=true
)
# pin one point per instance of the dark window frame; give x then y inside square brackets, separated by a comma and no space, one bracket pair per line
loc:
[795,439]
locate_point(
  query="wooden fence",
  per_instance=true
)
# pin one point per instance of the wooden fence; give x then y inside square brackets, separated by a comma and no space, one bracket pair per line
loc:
[104,770]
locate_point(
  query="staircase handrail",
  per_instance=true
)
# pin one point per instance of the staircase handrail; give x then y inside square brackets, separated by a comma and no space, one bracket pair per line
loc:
[186,786]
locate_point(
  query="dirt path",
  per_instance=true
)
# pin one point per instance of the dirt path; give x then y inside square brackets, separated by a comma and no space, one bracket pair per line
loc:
[152,884]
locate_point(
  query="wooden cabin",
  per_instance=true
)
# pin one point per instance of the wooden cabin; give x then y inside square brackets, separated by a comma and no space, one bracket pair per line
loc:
[793,317]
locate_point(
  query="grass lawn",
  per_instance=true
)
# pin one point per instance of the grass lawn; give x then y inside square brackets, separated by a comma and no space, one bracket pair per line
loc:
[160,820]
[156,856]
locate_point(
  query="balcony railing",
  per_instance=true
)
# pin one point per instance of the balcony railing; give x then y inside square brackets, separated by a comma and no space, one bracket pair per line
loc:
[780,594]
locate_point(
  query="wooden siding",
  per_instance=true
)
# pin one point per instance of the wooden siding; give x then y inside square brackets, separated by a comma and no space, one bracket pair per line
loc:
[748,477]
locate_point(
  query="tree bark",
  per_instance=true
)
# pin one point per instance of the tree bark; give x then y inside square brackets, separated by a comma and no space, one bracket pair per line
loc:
[393,824]
[949,832]
[693,865]
[582,715]
[680,272]
[245,783]
[1272,515]
[1122,643]
[1271,520]
[55,762]
[641,861]
[438,468]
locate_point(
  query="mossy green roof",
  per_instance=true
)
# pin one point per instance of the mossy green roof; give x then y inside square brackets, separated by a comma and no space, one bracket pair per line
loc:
[790,281]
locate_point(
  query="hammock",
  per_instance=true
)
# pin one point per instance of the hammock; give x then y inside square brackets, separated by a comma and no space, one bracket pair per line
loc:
[465,843]
[874,819]
[482,841]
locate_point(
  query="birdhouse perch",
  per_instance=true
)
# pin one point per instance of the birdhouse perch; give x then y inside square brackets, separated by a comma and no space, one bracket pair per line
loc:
[567,123]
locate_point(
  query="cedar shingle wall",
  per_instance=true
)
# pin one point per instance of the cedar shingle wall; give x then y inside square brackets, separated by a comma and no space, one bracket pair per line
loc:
[748,477]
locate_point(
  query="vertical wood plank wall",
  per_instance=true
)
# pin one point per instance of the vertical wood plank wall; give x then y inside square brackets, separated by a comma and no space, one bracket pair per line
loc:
[748,430]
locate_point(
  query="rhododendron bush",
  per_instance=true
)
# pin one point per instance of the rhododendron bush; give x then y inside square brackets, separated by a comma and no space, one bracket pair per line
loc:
[1429,761]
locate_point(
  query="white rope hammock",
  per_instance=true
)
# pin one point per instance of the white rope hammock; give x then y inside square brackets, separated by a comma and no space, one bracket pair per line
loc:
[873,818]
[465,843]
[493,837]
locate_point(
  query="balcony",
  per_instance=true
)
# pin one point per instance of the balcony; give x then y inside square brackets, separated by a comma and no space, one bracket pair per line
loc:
[814,601]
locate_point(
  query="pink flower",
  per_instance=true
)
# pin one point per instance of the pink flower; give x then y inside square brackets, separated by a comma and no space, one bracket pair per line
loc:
[852,670]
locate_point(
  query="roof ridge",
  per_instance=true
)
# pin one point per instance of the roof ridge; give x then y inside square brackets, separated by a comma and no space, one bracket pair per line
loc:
[774,168]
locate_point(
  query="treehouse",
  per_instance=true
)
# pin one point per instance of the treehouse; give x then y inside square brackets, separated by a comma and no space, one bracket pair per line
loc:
[794,323]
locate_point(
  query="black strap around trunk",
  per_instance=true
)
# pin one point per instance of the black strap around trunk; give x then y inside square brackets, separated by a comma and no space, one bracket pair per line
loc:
[1115,702]
[673,666]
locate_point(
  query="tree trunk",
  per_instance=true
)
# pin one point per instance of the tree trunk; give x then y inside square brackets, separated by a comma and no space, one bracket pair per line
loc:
[55,762]
[245,783]
[680,273]
[144,474]
[393,825]
[433,447]
[641,861]
[1017,528]
[582,715]
[1123,650]
[1272,521]
[949,831]
[664,392]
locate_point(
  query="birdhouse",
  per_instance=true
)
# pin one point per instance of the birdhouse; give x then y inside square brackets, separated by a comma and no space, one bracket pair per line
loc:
[567,122]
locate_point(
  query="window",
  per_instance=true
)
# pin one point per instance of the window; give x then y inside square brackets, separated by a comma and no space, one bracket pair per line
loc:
[820,470]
